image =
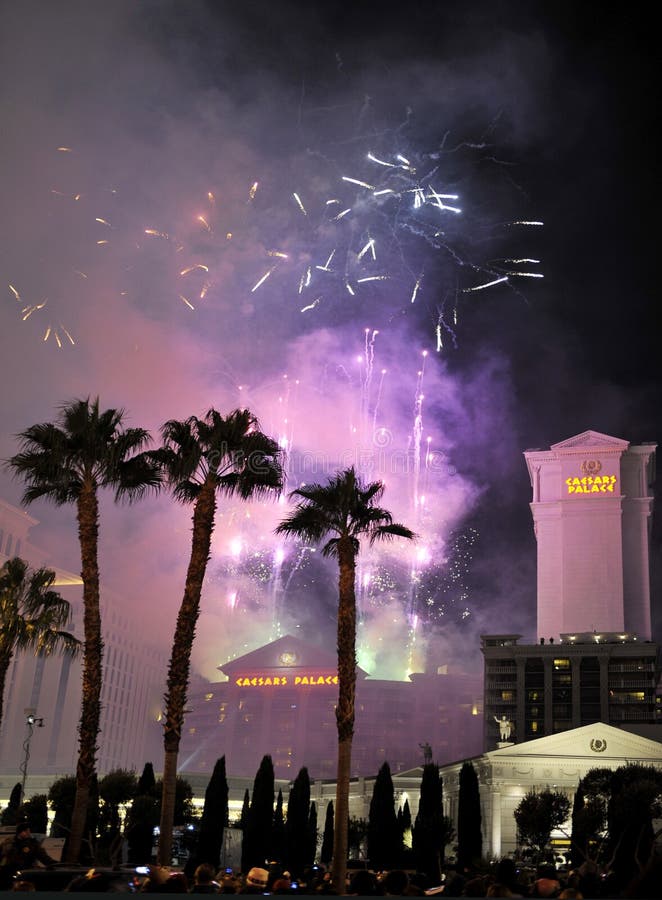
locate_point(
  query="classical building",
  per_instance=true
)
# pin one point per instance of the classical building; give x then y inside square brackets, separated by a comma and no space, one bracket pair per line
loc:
[505,775]
[594,660]
[280,700]
[558,761]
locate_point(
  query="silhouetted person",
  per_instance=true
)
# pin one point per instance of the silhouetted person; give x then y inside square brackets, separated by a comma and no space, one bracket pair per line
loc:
[204,881]
[20,852]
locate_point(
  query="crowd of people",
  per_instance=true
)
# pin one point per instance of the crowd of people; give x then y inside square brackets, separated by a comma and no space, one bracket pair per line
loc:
[22,852]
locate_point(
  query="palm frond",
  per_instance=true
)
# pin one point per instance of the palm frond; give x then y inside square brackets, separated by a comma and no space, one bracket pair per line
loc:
[307,522]
[31,614]
[138,476]
[342,508]
[241,459]
[388,532]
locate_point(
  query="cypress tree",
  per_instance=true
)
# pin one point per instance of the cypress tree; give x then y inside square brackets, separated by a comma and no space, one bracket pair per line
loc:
[312,835]
[383,834]
[256,846]
[469,836]
[214,817]
[406,824]
[10,812]
[246,805]
[278,837]
[578,836]
[429,835]
[142,819]
[296,825]
[147,782]
[326,853]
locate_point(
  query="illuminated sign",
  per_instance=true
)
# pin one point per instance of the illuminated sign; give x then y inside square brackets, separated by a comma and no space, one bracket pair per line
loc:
[591,484]
[314,680]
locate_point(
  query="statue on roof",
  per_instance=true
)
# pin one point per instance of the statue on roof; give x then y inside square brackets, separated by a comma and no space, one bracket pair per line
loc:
[505,728]
[427,753]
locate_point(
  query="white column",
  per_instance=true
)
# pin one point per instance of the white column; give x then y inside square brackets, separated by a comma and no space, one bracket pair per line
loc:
[495,797]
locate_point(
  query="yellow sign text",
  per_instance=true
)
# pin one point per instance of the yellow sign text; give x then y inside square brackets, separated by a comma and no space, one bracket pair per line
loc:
[591,484]
[283,680]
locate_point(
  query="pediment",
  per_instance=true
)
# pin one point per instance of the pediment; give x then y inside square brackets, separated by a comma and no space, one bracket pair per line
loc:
[594,742]
[285,653]
[593,440]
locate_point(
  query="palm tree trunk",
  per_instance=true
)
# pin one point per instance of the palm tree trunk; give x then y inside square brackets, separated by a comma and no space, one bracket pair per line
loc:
[345,707]
[168,798]
[5,659]
[180,662]
[88,534]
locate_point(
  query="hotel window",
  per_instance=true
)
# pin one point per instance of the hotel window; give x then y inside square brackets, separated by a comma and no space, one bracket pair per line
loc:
[506,695]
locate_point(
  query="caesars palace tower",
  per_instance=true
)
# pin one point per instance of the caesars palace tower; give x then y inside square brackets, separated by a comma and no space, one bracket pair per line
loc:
[592,505]
[595,661]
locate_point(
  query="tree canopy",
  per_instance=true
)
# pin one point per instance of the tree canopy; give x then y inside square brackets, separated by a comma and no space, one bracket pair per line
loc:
[538,814]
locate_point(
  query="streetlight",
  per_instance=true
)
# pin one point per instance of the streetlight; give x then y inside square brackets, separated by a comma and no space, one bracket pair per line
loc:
[32,721]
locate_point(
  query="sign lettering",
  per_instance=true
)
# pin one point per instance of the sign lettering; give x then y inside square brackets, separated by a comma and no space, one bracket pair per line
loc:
[591,484]
[311,680]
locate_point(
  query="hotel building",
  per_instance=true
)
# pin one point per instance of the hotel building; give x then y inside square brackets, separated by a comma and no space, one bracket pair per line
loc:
[594,660]
[50,686]
[280,700]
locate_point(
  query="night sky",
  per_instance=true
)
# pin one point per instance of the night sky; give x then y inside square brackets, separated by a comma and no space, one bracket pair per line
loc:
[525,112]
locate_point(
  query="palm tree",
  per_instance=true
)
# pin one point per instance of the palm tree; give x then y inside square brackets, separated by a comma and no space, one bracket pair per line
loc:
[344,510]
[68,462]
[202,458]
[31,616]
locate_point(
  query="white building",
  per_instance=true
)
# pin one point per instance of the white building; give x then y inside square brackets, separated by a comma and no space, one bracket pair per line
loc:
[558,761]
[134,678]
[592,505]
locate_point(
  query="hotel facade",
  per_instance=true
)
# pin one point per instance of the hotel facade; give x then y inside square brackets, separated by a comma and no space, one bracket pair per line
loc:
[280,700]
[594,660]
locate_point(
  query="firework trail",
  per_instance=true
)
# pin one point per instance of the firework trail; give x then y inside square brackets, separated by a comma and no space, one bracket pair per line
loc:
[195,251]
[388,236]
[75,231]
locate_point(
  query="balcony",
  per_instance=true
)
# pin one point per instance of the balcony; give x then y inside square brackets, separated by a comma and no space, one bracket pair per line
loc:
[636,701]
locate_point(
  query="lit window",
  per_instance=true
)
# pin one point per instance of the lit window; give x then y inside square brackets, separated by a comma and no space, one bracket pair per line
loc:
[506,695]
